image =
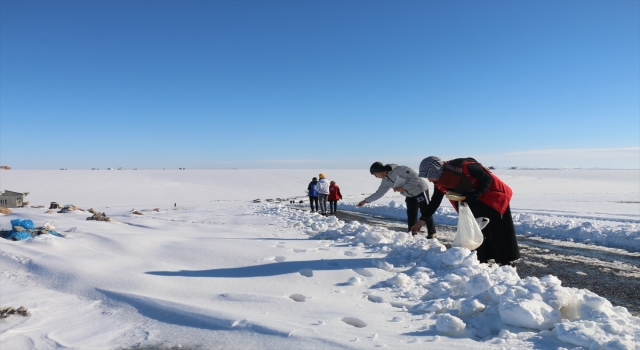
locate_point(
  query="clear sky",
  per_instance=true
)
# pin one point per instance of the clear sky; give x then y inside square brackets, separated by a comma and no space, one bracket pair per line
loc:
[318,84]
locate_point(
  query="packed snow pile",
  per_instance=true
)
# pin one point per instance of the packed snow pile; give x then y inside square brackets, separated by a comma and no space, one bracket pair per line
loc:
[479,301]
[603,231]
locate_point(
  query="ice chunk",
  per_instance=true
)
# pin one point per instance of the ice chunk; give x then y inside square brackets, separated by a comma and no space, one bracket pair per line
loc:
[399,279]
[478,284]
[455,256]
[528,313]
[449,324]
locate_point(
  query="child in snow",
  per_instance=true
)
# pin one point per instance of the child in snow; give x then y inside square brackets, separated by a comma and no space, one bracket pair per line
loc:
[334,197]
[313,194]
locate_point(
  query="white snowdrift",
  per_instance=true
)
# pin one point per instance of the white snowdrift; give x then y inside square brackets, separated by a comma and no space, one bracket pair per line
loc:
[480,299]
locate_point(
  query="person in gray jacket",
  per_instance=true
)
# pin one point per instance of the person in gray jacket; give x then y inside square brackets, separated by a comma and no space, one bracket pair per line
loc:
[323,193]
[406,181]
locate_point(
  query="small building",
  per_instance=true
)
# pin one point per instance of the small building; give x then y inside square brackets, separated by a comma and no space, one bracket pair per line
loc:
[11,199]
[5,167]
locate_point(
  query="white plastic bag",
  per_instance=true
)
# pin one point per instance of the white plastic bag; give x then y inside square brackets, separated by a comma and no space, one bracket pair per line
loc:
[469,233]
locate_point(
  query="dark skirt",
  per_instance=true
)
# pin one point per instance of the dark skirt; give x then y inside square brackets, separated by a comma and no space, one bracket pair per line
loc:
[500,241]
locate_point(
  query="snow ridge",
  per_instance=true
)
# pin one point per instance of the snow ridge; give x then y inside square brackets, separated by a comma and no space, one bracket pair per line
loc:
[470,299]
[602,231]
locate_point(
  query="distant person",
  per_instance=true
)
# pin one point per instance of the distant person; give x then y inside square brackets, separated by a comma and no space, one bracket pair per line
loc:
[313,194]
[406,181]
[334,197]
[323,193]
[486,195]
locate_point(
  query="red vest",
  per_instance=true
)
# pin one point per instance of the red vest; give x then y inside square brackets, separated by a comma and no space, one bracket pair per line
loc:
[497,196]
[334,193]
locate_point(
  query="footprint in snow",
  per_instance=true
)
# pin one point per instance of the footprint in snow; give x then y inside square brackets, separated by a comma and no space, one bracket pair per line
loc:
[363,272]
[350,253]
[354,281]
[306,272]
[280,258]
[298,297]
[352,321]
[297,250]
[374,298]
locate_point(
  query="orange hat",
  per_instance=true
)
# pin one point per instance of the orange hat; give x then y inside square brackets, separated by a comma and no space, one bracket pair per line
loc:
[322,176]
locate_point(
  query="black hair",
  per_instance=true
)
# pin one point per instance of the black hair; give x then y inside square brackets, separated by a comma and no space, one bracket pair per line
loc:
[378,167]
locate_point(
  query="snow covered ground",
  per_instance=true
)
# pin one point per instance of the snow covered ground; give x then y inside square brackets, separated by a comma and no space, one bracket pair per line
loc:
[212,269]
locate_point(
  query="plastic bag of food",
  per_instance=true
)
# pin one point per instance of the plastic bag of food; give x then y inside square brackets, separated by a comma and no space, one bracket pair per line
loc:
[469,234]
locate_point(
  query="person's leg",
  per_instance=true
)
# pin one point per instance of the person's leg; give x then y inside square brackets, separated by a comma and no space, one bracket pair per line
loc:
[422,202]
[500,242]
[323,203]
[324,208]
[412,211]
[332,206]
[311,200]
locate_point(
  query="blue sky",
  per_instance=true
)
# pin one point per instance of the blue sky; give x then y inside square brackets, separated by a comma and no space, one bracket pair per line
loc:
[318,84]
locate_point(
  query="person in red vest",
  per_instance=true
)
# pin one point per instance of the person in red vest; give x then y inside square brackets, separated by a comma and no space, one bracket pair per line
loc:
[485,194]
[334,197]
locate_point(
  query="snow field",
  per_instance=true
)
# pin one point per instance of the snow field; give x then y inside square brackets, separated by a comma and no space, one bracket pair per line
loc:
[477,300]
[210,273]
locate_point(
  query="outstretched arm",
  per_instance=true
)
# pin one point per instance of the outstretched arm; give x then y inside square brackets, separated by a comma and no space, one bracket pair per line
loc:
[384,188]
[433,205]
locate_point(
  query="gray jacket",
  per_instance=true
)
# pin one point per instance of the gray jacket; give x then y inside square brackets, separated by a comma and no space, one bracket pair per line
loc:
[400,176]
[322,186]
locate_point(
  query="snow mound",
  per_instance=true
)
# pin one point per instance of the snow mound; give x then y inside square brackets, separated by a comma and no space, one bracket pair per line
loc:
[470,297]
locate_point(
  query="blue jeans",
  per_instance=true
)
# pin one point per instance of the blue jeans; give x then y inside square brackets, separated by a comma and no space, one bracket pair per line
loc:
[323,202]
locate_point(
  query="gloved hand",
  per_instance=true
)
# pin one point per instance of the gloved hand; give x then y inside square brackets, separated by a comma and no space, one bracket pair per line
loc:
[472,196]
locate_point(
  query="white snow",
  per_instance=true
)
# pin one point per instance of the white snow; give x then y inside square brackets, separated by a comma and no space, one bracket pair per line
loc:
[211,269]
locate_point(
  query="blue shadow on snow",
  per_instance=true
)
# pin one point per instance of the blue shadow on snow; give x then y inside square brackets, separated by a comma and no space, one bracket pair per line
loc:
[271,269]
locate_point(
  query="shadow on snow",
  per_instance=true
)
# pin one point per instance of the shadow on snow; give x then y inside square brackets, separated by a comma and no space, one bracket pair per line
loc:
[272,269]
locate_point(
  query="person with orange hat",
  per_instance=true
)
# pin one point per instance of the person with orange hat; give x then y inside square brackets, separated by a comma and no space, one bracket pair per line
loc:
[323,193]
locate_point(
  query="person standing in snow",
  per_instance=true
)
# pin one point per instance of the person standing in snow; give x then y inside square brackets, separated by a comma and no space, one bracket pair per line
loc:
[406,181]
[334,197]
[323,192]
[313,194]
[485,194]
